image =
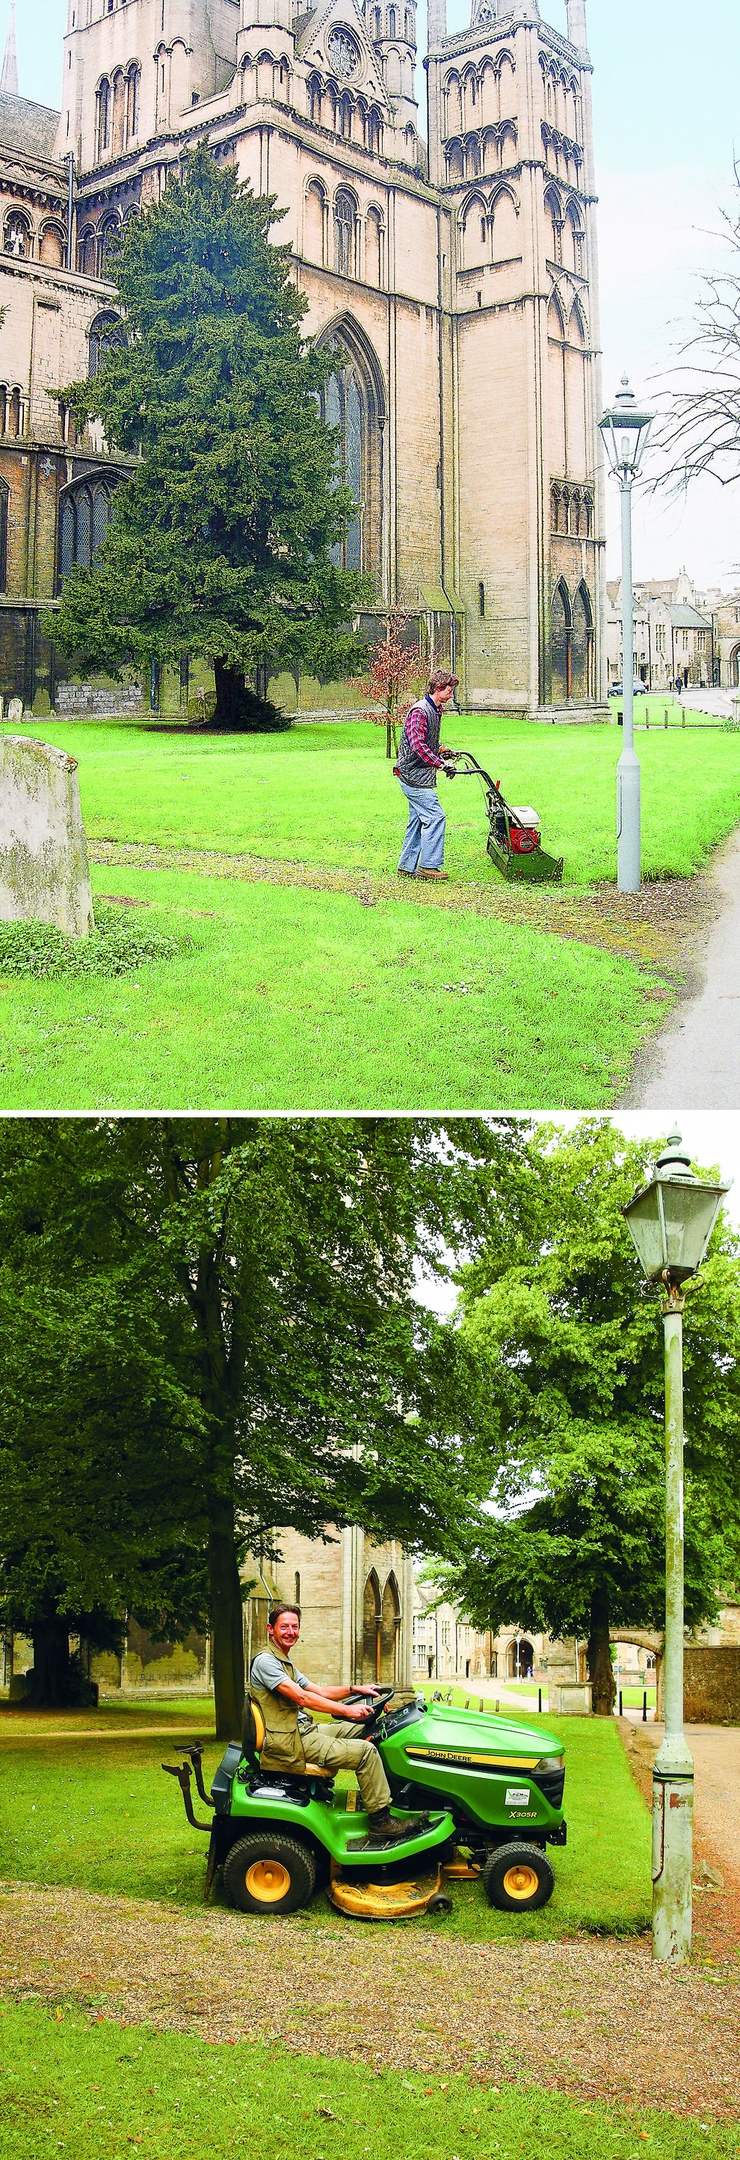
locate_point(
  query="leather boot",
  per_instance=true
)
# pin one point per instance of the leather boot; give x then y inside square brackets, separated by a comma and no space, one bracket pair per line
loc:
[385,1830]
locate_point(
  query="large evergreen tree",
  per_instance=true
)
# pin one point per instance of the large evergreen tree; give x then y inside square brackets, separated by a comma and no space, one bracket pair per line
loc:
[220,542]
[572,1539]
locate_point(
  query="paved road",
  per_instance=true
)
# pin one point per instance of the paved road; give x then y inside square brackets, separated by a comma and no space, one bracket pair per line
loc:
[716,1753]
[695,1063]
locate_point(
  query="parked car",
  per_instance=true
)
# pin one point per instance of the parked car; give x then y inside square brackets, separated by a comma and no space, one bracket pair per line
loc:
[639,689]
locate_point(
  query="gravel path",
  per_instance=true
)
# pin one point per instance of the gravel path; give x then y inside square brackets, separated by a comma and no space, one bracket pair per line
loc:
[601,2020]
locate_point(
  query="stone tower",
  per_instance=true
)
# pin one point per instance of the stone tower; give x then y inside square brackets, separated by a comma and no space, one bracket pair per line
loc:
[455,282]
[9,86]
[510,149]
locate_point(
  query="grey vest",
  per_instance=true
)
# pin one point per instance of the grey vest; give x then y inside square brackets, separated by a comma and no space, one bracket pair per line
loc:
[411,767]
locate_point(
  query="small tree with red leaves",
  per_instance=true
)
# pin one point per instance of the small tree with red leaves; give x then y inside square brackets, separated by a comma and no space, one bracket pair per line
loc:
[394,678]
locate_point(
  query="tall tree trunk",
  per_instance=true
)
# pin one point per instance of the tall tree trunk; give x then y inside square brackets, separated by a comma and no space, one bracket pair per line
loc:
[231,703]
[51,1684]
[226,1624]
[600,1668]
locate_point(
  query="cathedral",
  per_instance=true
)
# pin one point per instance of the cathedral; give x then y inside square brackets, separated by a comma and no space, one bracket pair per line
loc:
[448,259]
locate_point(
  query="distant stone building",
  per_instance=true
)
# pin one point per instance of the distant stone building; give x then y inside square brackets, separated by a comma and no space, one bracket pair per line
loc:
[356,1599]
[454,280]
[674,634]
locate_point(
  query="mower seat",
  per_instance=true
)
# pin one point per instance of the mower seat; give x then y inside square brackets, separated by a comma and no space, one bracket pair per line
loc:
[253,1740]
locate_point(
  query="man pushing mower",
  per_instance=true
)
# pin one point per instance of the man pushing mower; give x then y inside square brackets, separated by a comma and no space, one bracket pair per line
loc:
[420,758]
[293,1742]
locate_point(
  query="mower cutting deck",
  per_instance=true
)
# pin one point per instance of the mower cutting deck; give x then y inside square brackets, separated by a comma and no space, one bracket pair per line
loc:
[514,840]
[494,1792]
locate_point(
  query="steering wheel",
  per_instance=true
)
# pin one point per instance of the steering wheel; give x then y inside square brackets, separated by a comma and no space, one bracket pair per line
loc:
[377,1702]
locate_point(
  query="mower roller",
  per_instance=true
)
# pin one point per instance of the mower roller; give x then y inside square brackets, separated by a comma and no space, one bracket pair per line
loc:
[492,1789]
[514,840]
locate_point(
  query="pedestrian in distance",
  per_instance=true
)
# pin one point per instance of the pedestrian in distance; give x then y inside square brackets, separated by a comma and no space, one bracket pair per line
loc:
[420,758]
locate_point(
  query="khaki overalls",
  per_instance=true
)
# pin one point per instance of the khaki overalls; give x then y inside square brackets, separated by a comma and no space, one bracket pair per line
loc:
[338,1746]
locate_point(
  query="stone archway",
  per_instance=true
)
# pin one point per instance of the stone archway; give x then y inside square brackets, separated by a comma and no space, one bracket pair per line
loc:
[390,1628]
[371,1628]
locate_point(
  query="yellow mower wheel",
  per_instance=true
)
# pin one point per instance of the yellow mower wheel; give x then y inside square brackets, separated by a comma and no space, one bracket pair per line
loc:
[269,1874]
[518,1878]
[520,1882]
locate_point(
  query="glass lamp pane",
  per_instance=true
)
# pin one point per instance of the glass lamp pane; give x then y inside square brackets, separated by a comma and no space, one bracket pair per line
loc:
[690,1212]
[642,1217]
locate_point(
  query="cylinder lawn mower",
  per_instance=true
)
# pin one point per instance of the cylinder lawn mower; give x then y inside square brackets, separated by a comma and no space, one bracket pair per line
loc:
[494,1791]
[514,840]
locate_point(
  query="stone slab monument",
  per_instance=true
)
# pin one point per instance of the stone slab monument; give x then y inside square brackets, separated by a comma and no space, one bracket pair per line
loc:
[44,870]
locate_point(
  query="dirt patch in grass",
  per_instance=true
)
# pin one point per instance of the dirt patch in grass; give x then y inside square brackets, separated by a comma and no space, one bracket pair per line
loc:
[665,923]
[601,2020]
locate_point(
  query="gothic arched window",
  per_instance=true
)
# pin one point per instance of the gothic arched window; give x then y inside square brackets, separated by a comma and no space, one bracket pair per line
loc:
[108,235]
[84,519]
[18,236]
[345,226]
[343,409]
[105,334]
[133,95]
[353,402]
[103,116]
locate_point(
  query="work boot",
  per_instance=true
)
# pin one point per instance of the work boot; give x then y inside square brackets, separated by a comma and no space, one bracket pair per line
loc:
[384,1830]
[443,874]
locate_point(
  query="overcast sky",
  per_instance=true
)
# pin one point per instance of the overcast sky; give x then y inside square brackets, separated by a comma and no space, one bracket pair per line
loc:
[667,124]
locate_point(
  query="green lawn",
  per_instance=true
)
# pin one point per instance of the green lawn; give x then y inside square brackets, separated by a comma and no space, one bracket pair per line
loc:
[326,794]
[292,1000]
[100,1815]
[286,997]
[95,2090]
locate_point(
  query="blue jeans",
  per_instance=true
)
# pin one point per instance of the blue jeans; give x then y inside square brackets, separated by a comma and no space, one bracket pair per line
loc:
[424,839]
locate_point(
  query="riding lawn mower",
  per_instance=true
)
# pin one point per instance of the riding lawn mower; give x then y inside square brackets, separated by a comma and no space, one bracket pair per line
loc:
[492,1789]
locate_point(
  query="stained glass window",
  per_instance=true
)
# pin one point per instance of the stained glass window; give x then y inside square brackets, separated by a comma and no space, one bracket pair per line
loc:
[344,409]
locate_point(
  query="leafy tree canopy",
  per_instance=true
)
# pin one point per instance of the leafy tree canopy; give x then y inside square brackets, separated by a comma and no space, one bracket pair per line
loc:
[241,1301]
[220,542]
[554,1305]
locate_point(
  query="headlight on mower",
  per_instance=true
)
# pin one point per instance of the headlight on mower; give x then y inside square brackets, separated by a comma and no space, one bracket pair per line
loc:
[549,1762]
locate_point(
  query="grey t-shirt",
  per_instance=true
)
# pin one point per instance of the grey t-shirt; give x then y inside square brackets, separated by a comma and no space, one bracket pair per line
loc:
[268,1672]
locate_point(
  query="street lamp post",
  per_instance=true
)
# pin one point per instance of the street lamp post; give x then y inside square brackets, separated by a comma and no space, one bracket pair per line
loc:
[625,432]
[671,1221]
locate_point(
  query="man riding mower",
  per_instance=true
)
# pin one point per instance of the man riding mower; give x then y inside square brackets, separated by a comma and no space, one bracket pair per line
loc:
[491,1793]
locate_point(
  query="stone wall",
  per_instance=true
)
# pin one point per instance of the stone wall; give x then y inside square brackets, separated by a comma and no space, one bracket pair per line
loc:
[712,1686]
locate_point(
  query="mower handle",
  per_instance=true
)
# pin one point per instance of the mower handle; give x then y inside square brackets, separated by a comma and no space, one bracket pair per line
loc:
[475,771]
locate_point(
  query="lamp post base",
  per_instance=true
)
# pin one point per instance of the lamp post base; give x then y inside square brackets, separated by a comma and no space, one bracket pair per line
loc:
[628,821]
[673,1824]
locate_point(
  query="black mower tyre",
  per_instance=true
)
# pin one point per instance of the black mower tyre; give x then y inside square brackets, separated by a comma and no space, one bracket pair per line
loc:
[269,1874]
[518,1878]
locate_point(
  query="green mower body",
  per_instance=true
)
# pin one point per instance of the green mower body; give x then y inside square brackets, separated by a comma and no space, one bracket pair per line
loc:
[491,1790]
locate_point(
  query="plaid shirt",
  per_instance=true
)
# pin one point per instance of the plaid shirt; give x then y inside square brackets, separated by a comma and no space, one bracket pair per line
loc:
[416,734]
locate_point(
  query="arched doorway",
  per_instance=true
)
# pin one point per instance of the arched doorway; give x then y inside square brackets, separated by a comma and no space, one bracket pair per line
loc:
[520,1659]
[735,668]
[582,633]
[371,1618]
[390,1628]
[381,1627]
[560,646]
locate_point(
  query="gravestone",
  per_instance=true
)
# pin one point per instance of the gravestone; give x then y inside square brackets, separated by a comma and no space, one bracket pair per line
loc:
[15,710]
[44,871]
